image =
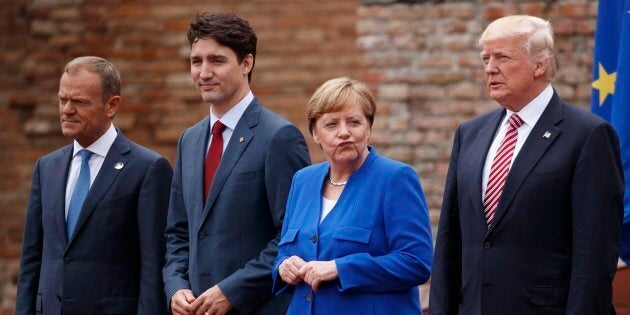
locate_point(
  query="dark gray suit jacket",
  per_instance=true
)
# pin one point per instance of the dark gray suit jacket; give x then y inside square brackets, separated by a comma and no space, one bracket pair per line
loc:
[553,247]
[113,260]
[232,238]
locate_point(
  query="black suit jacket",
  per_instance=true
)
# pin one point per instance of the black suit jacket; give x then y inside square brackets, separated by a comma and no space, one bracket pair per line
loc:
[231,239]
[112,262]
[553,247]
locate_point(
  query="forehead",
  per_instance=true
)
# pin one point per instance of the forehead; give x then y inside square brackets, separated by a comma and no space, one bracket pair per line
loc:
[511,45]
[209,46]
[80,82]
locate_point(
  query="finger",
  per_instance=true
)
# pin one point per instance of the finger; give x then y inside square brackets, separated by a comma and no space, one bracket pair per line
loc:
[190,298]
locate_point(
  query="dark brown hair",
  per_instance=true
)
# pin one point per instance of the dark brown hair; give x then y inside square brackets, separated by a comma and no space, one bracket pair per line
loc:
[228,30]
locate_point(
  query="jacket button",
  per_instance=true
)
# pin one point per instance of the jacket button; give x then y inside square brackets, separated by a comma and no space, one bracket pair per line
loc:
[66,260]
[58,298]
[314,239]
[309,297]
[202,235]
[487,245]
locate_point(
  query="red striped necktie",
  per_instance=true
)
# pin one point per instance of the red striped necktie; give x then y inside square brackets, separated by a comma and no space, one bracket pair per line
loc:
[500,169]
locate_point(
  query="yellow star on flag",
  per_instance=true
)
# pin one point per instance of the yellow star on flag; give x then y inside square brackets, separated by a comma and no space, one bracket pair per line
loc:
[605,84]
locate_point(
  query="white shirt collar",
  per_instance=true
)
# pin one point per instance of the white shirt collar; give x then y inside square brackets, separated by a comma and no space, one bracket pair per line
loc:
[232,116]
[100,146]
[534,109]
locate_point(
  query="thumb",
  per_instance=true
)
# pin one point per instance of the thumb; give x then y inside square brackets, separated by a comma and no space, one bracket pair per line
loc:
[189,296]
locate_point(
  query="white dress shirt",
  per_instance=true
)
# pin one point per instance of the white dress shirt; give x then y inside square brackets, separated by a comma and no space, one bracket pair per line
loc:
[99,149]
[327,206]
[530,115]
[230,119]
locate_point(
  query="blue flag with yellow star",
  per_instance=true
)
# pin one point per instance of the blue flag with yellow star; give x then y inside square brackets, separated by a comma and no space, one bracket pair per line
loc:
[611,88]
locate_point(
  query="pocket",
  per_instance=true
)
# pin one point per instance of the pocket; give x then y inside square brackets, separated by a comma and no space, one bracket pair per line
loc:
[289,236]
[543,177]
[38,303]
[352,234]
[241,177]
[117,305]
[548,295]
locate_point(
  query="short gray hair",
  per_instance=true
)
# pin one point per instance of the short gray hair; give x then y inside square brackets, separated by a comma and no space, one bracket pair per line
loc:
[110,77]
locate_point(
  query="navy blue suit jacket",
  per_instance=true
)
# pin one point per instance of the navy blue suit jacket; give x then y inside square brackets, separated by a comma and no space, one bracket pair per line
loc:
[113,260]
[231,239]
[553,247]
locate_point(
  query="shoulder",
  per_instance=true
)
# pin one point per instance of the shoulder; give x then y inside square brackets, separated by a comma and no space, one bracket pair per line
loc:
[310,172]
[383,165]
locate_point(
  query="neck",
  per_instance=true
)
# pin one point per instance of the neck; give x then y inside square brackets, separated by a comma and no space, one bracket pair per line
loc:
[341,173]
[219,109]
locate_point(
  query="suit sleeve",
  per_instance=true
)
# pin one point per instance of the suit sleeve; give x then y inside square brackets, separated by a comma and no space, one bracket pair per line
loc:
[31,259]
[175,272]
[279,286]
[250,285]
[597,212]
[152,210]
[446,275]
[409,242]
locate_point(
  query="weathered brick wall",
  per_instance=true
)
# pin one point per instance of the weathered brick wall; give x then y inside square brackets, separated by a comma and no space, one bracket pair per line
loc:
[423,62]
[419,58]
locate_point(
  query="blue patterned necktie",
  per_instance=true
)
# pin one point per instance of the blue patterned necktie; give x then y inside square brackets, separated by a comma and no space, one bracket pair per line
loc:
[81,189]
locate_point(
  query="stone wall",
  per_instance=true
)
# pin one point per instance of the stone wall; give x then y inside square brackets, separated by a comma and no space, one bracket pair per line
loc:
[419,57]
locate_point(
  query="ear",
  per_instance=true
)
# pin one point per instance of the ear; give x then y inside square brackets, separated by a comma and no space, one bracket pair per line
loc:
[112,106]
[540,68]
[248,64]
[315,136]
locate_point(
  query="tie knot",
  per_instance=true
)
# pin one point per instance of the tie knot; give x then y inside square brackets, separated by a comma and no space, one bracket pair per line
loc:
[516,121]
[217,128]
[85,155]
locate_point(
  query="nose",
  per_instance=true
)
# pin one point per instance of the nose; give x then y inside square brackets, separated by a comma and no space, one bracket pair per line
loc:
[206,71]
[66,107]
[343,131]
[490,66]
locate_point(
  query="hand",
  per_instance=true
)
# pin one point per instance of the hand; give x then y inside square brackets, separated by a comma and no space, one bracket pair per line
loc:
[316,272]
[180,302]
[289,270]
[211,302]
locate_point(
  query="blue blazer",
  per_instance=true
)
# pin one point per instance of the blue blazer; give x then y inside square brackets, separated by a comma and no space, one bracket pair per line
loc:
[378,233]
[554,245]
[231,239]
[112,262]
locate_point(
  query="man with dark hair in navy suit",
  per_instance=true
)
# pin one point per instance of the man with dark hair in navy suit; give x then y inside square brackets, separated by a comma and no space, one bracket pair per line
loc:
[231,182]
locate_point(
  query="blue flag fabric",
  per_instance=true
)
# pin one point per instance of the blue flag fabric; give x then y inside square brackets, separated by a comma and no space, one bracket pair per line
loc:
[611,88]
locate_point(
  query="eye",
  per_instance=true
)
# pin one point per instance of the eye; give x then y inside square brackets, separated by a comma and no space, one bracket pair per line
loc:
[195,61]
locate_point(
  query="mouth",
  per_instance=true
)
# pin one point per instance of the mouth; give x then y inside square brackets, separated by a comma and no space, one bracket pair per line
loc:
[207,86]
[494,84]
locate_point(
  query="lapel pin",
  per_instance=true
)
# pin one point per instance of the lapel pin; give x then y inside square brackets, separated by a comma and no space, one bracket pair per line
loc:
[547,135]
[241,139]
[119,165]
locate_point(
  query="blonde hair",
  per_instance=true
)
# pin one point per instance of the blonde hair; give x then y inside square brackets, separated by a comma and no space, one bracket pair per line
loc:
[538,33]
[333,96]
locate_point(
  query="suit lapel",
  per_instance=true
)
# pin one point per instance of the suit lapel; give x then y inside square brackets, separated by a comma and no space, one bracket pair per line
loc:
[482,144]
[198,151]
[106,176]
[532,151]
[59,179]
[241,137]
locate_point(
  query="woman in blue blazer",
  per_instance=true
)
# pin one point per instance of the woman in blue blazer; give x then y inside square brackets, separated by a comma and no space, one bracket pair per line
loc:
[356,237]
